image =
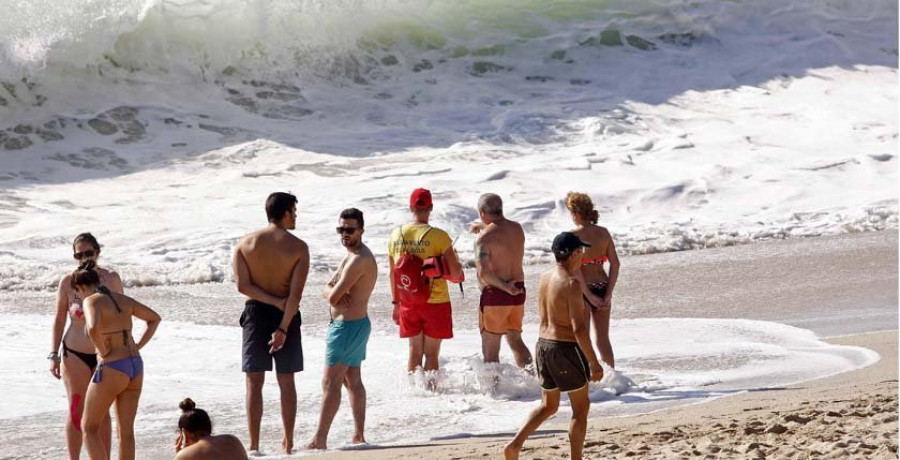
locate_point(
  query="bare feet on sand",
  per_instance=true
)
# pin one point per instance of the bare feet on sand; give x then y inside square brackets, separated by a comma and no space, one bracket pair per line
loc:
[511,452]
[287,446]
[317,444]
[358,439]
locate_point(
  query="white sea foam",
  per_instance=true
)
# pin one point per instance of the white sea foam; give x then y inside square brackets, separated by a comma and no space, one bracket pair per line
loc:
[671,361]
[161,126]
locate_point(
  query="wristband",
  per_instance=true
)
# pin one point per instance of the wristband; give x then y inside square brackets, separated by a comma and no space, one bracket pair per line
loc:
[281,330]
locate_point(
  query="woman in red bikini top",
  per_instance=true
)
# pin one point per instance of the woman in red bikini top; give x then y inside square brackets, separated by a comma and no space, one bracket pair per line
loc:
[598,286]
[79,358]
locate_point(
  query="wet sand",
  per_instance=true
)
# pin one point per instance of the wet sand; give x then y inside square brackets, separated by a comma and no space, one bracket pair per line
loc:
[850,415]
[833,286]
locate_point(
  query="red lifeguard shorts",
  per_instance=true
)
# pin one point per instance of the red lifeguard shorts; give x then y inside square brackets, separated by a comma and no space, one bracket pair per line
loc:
[435,319]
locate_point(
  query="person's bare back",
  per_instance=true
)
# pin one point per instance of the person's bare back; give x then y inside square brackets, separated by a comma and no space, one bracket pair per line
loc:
[271,255]
[213,448]
[503,242]
[270,268]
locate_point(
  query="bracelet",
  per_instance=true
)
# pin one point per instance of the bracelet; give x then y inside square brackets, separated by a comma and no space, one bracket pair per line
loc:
[281,330]
[54,356]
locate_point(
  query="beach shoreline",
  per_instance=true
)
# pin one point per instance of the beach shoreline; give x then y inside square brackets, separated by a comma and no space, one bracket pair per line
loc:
[799,298]
[852,414]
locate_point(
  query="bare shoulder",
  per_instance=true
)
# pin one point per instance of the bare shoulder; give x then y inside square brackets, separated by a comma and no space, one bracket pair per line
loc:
[518,227]
[109,273]
[483,237]
[604,232]
[232,439]
[293,240]
[91,300]
[299,246]
[190,452]
[546,277]
[66,281]
[365,254]
[573,284]
[246,241]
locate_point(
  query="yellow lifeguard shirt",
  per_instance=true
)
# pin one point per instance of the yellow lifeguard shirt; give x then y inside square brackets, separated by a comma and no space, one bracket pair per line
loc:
[408,240]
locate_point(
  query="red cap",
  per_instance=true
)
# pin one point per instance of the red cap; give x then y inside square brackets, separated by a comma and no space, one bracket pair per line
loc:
[420,199]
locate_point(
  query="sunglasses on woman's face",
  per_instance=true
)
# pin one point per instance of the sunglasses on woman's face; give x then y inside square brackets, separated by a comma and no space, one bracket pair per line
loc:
[81,255]
[347,230]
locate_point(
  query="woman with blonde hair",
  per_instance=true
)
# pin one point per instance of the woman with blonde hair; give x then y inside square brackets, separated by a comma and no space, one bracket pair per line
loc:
[597,286]
[79,358]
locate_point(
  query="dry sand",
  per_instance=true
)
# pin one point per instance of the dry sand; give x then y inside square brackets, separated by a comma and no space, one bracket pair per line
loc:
[850,415]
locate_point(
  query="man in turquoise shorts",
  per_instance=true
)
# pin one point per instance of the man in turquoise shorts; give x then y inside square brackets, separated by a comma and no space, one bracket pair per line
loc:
[348,293]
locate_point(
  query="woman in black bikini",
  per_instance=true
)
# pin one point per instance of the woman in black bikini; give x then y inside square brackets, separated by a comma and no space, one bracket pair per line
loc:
[120,371]
[597,286]
[78,356]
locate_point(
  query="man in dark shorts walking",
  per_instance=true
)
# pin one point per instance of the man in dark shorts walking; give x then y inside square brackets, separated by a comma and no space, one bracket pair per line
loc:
[270,268]
[564,356]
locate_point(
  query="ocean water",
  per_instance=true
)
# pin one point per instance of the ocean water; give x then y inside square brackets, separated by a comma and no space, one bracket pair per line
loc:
[161,125]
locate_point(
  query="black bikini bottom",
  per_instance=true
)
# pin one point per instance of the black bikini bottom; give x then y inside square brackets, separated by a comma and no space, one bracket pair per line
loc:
[599,290]
[90,359]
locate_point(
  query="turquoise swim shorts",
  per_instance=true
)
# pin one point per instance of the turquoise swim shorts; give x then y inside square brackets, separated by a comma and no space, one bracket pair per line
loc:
[346,342]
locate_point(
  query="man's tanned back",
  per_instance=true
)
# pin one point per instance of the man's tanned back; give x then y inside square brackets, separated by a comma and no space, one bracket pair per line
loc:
[271,256]
[505,241]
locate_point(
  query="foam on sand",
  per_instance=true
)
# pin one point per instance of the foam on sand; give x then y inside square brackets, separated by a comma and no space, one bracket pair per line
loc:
[670,361]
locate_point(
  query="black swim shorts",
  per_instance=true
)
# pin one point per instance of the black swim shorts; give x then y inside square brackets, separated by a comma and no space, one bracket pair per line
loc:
[561,365]
[259,321]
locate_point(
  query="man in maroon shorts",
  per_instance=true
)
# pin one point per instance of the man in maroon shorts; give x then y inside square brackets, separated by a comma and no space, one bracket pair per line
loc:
[427,323]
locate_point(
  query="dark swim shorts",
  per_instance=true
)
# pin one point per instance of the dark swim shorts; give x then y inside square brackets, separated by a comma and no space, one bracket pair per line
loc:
[496,297]
[561,365]
[599,290]
[259,321]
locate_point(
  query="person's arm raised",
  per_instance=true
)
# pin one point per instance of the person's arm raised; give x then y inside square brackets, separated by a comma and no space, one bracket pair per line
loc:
[245,283]
[147,315]
[581,329]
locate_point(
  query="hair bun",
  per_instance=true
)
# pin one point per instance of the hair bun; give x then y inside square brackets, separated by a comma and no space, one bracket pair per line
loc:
[187,405]
[87,265]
